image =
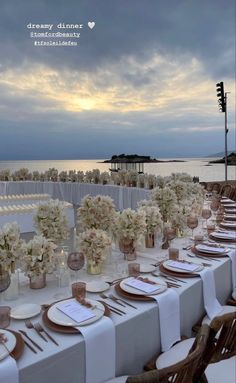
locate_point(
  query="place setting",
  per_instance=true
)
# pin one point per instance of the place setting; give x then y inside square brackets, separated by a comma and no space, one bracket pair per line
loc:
[223,235]
[210,250]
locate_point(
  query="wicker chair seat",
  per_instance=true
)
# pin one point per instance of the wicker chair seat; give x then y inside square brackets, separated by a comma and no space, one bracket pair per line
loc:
[234,295]
[175,355]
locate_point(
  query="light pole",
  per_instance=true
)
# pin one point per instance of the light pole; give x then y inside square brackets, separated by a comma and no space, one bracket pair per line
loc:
[222,100]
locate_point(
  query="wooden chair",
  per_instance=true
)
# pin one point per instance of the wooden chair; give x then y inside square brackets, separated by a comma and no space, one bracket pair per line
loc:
[180,370]
[226,190]
[233,194]
[216,188]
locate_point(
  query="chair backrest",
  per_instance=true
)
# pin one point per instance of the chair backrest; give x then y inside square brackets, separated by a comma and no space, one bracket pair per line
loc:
[233,194]
[216,187]
[226,190]
[181,372]
[224,328]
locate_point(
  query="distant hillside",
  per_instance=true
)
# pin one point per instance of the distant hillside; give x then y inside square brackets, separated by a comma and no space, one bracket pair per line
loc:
[219,154]
[231,160]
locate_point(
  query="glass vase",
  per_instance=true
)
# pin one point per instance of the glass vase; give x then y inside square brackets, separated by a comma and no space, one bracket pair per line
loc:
[94,268]
[150,240]
[12,293]
[127,247]
[38,281]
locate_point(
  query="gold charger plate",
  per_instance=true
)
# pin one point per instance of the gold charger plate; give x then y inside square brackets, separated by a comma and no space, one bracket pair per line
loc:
[177,274]
[19,347]
[66,329]
[209,255]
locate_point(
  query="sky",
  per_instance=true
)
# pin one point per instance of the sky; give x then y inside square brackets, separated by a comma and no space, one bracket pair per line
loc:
[141,79]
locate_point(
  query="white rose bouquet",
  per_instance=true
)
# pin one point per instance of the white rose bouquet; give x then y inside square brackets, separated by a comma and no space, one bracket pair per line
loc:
[51,221]
[38,256]
[130,224]
[10,244]
[94,243]
[153,218]
[96,212]
[166,200]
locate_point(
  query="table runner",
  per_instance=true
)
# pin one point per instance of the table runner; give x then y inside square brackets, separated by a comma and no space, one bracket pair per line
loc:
[169,313]
[8,371]
[212,305]
[100,353]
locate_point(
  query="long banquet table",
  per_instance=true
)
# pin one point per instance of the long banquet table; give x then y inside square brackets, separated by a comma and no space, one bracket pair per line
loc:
[137,332]
[124,197]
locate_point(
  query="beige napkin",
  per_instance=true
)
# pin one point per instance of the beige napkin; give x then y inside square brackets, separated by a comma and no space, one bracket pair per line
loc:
[212,305]
[100,355]
[8,371]
[169,316]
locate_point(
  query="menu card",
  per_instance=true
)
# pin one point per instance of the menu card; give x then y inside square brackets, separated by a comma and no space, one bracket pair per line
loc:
[143,286]
[76,311]
[184,266]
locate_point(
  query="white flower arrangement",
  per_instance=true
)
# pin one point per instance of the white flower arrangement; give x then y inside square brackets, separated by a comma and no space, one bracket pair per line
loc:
[94,243]
[180,188]
[153,218]
[96,212]
[10,244]
[38,256]
[166,200]
[51,221]
[104,177]
[185,177]
[179,216]
[152,181]
[131,178]
[130,224]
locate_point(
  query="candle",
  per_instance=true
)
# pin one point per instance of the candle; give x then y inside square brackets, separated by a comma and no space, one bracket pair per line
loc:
[74,239]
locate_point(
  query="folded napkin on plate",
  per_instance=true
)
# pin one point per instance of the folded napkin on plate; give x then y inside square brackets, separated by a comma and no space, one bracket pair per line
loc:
[8,370]
[169,316]
[212,305]
[100,355]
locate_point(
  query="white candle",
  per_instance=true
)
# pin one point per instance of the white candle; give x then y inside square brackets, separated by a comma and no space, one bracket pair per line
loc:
[74,239]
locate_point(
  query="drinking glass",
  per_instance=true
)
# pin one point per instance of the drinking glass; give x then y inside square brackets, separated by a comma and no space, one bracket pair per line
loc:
[170,233]
[4,316]
[192,222]
[78,289]
[75,262]
[134,269]
[173,253]
[206,214]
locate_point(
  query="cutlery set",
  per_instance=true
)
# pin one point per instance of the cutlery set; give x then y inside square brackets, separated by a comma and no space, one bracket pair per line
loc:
[29,342]
[118,301]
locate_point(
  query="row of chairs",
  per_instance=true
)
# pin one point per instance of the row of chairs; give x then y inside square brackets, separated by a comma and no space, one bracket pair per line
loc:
[227,190]
[187,360]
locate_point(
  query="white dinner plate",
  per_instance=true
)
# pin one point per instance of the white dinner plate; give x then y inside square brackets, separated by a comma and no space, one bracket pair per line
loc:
[58,317]
[25,311]
[161,287]
[221,235]
[97,286]
[146,268]
[178,270]
[211,250]
[10,344]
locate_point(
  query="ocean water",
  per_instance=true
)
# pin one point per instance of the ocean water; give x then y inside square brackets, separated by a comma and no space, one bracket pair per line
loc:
[197,167]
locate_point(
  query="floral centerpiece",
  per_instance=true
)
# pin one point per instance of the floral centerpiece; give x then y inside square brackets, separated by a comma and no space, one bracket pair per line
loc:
[96,212]
[50,221]
[166,200]
[94,243]
[153,223]
[180,188]
[179,218]
[10,246]
[128,227]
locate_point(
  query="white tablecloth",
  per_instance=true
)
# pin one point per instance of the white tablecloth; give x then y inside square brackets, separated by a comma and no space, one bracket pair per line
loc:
[123,197]
[26,221]
[137,332]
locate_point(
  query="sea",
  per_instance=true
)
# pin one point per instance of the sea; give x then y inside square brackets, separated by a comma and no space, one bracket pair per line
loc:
[196,167]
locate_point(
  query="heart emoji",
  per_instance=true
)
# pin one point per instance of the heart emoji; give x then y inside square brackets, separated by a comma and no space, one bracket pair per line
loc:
[91,24]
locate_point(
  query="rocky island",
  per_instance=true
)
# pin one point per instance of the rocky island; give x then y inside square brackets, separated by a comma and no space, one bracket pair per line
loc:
[135,158]
[231,160]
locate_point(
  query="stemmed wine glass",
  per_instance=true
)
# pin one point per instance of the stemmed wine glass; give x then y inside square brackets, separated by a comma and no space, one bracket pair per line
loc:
[75,262]
[192,222]
[5,281]
[215,204]
[170,234]
[206,214]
